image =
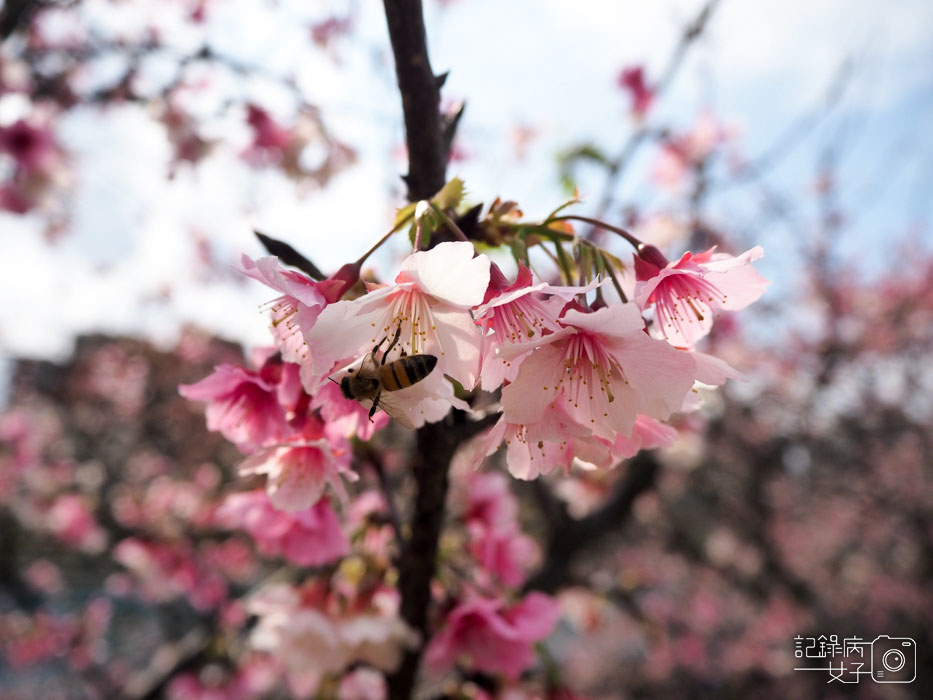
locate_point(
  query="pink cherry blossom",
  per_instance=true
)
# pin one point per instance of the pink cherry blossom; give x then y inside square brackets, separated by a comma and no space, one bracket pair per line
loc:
[604,370]
[307,538]
[267,134]
[32,147]
[687,294]
[378,638]
[298,472]
[504,553]
[496,541]
[686,151]
[555,441]
[243,405]
[313,637]
[215,682]
[72,521]
[648,434]
[430,302]
[292,314]
[15,198]
[488,636]
[633,80]
[517,313]
[490,500]
[362,684]
[164,571]
[305,638]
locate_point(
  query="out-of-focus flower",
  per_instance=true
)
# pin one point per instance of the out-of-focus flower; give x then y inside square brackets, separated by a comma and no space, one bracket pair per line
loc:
[325,32]
[487,636]
[32,147]
[683,152]
[165,571]
[503,553]
[362,684]
[632,79]
[308,537]
[243,405]
[71,520]
[687,293]
[216,682]
[312,638]
[496,541]
[267,133]
[299,472]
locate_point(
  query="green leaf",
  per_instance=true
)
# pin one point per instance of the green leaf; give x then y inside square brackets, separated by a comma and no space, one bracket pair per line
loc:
[520,251]
[570,202]
[403,214]
[607,261]
[429,223]
[450,195]
[565,263]
[585,152]
[567,183]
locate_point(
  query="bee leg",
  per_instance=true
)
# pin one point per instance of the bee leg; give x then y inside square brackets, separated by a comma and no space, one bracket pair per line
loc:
[398,333]
[374,407]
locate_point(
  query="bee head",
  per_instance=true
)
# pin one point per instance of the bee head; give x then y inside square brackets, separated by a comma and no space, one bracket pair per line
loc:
[345,388]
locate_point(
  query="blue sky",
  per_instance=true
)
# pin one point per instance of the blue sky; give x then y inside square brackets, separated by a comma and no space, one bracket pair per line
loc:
[128,263]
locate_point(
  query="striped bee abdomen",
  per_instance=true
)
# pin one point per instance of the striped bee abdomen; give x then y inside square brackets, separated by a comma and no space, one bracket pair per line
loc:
[406,371]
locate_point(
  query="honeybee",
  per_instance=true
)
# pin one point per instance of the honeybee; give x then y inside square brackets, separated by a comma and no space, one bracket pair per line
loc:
[373,381]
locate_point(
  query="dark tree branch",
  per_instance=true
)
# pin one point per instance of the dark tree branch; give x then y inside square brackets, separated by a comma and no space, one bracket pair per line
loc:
[435,447]
[15,14]
[427,165]
[427,158]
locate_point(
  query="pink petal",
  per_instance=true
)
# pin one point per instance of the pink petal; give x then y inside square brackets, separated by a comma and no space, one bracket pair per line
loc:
[527,398]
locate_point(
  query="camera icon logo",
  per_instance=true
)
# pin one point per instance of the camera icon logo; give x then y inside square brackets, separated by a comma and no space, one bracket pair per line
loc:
[893,659]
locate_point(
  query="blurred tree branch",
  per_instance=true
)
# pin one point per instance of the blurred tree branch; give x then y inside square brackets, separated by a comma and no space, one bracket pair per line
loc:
[569,538]
[616,167]
[15,14]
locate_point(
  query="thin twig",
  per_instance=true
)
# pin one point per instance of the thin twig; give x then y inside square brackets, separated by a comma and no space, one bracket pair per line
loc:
[618,164]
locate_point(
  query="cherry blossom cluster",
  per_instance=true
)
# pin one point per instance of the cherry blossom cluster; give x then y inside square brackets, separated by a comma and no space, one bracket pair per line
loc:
[318,628]
[579,383]
[32,164]
[568,376]
[487,628]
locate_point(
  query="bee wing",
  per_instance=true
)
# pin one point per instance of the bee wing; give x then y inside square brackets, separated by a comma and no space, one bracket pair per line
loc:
[392,406]
[368,366]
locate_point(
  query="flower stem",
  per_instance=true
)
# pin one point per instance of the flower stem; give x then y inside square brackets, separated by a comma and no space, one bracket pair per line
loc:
[634,241]
[451,224]
[387,236]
